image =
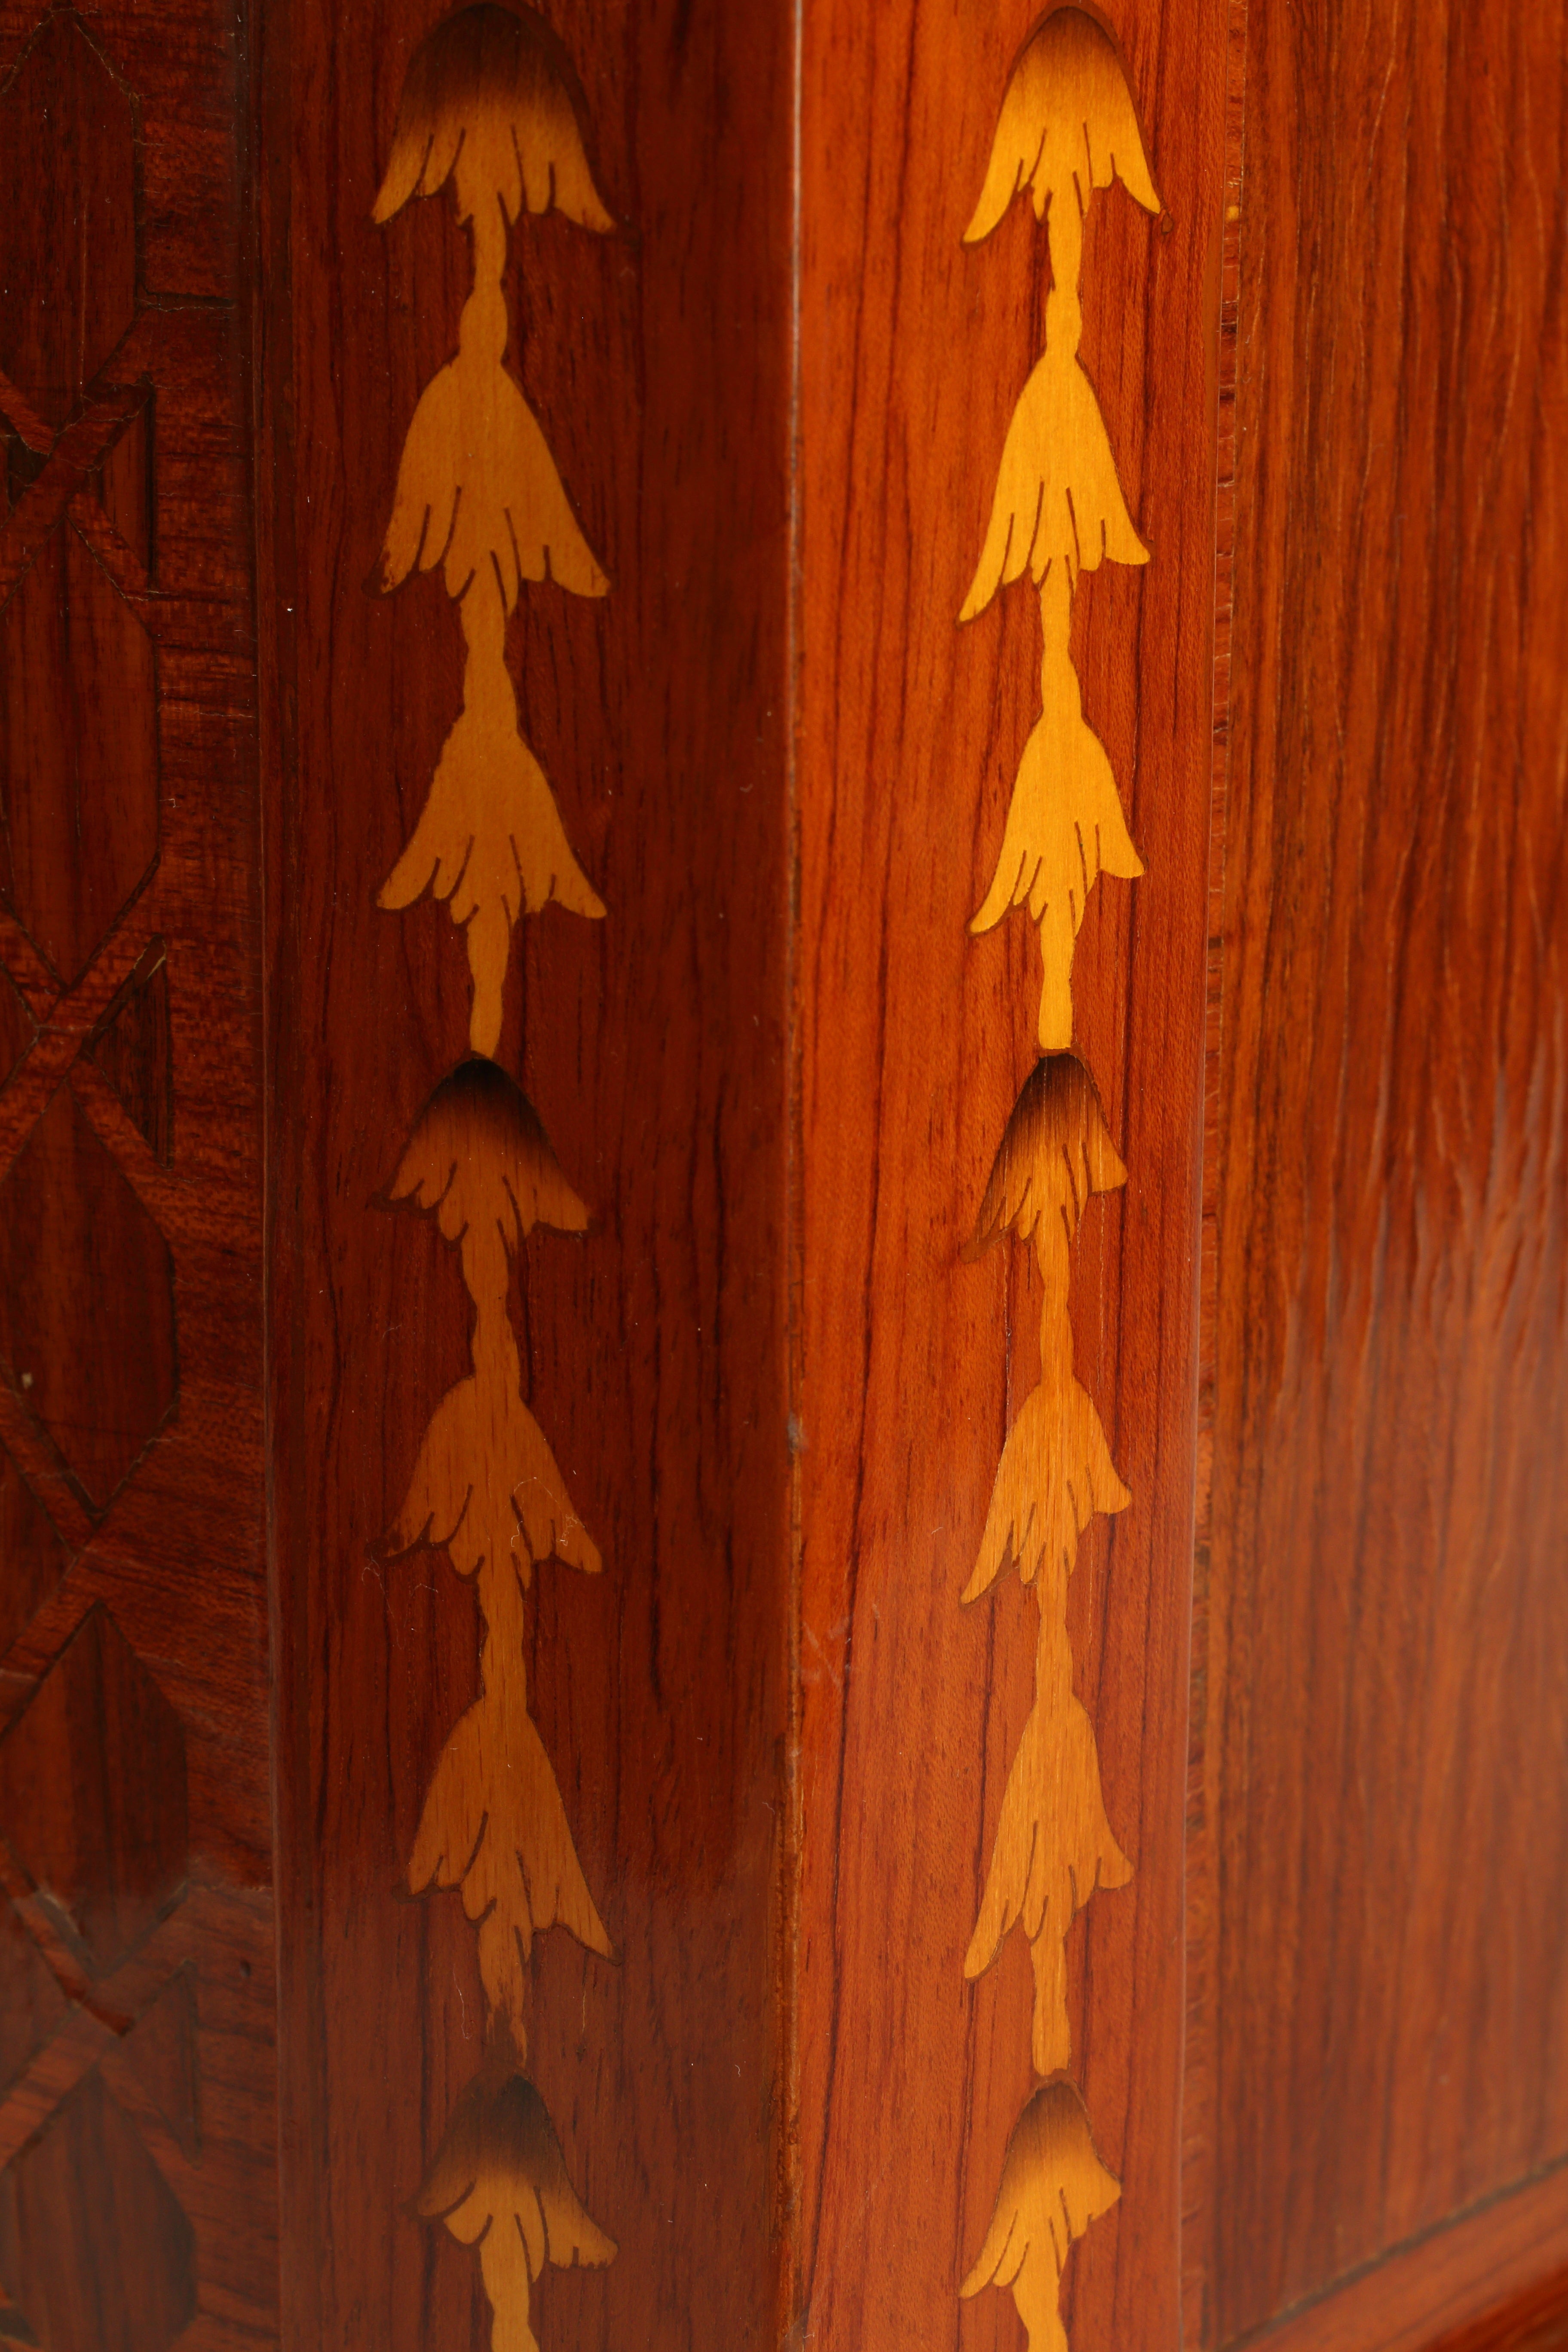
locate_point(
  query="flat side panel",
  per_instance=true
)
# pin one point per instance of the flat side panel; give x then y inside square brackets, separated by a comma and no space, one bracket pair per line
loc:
[1386,1815]
[919,1045]
[643,316]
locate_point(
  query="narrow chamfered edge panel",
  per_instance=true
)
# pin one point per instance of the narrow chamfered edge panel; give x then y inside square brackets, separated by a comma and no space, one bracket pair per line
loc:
[621,956]
[1381,1837]
[928,408]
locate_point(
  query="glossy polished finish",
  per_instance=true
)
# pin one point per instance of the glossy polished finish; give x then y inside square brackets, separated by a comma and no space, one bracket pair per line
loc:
[603,1121]
[1379,1934]
[650,1045]
[138,2075]
[914,1042]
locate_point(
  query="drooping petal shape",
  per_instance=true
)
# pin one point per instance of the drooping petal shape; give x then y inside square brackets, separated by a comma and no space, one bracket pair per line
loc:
[479,1159]
[1055,1152]
[1058,497]
[492,95]
[499,2182]
[493,1824]
[1055,1474]
[1067,122]
[486,1486]
[1053,2186]
[489,840]
[1054,1847]
[1065,828]
[478,490]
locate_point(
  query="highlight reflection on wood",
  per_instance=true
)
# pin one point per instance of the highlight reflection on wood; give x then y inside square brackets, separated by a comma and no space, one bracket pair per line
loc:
[491,104]
[1067,127]
[1053,2186]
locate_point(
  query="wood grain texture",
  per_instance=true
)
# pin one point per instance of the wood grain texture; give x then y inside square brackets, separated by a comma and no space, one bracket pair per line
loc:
[79,750]
[1489,2280]
[67,231]
[146,494]
[651,1345]
[95,2251]
[87,1302]
[913,1043]
[131,1046]
[1381,1820]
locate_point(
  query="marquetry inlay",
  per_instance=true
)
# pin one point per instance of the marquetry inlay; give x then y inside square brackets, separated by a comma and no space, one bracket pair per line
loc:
[1068,129]
[492,110]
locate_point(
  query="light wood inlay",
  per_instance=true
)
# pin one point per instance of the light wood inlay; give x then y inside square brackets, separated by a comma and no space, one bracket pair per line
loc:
[1053,2186]
[492,106]
[499,2182]
[1067,127]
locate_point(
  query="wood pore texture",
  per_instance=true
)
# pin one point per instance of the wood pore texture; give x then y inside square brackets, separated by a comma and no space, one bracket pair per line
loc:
[1317,2089]
[137,1976]
[913,1040]
[651,1044]
[1377,1934]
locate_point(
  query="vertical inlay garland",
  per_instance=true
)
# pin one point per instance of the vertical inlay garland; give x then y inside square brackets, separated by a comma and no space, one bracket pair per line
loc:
[492,106]
[1068,128]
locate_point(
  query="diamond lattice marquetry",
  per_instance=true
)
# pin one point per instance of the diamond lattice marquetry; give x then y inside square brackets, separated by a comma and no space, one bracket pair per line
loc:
[67,217]
[33,1560]
[18,1027]
[32,2006]
[92,1795]
[78,752]
[87,1301]
[131,1046]
[96,2252]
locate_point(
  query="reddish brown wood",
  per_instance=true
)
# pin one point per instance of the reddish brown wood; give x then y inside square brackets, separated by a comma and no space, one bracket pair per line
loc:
[67,220]
[134,1803]
[87,1302]
[914,1041]
[161,2051]
[17,1028]
[777,1074]
[32,2005]
[95,2251]
[32,1556]
[1383,1822]
[78,746]
[651,1045]
[1485,2281]
[131,1047]
[92,1789]
[1536,2320]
